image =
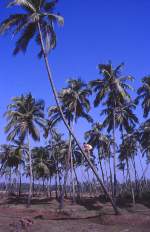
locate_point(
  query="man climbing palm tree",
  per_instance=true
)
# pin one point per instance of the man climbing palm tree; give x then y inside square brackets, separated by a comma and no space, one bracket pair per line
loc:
[38,22]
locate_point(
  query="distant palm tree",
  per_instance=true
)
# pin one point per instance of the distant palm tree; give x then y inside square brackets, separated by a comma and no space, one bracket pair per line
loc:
[128,150]
[38,22]
[11,157]
[144,130]
[23,116]
[111,91]
[40,164]
[101,142]
[144,95]
[125,119]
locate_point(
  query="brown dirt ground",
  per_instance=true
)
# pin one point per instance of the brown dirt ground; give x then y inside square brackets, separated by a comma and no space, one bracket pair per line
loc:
[91,216]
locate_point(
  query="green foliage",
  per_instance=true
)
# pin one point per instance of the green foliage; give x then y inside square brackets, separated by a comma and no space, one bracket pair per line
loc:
[23,116]
[26,25]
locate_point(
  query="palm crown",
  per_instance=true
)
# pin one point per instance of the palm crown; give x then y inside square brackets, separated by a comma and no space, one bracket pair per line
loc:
[144,95]
[124,117]
[26,25]
[75,103]
[75,98]
[23,115]
[112,85]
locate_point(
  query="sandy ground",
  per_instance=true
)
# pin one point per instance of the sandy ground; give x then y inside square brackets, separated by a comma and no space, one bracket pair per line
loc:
[95,217]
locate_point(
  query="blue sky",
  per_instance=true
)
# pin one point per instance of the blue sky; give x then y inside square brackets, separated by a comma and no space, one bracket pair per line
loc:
[94,32]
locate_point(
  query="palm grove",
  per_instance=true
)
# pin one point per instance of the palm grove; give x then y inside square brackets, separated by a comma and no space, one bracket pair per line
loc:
[59,161]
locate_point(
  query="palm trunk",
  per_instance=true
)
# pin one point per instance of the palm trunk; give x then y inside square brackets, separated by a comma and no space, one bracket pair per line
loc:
[101,167]
[78,184]
[136,176]
[71,155]
[56,187]
[33,185]
[65,122]
[107,179]
[31,173]
[20,184]
[130,181]
[49,187]
[111,177]
[69,164]
[72,178]
[114,158]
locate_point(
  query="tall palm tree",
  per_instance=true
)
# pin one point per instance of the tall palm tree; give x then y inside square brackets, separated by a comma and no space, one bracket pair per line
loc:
[38,22]
[144,95]
[23,116]
[144,135]
[111,91]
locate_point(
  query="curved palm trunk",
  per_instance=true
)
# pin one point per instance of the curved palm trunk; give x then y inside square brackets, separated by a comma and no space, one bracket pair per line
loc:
[65,122]
[31,173]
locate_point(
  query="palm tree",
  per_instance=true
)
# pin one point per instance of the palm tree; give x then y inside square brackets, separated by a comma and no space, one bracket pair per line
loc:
[11,157]
[128,150]
[125,119]
[38,22]
[144,95]
[75,98]
[75,104]
[100,142]
[75,101]
[111,90]
[41,164]
[144,135]
[23,116]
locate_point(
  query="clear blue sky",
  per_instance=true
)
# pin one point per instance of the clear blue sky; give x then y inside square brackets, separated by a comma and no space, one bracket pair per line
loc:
[95,31]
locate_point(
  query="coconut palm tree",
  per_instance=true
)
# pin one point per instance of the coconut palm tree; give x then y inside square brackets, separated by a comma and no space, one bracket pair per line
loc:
[38,22]
[75,104]
[125,119]
[128,150]
[111,91]
[75,97]
[99,141]
[11,157]
[24,116]
[112,85]
[41,164]
[144,135]
[144,95]
[75,101]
